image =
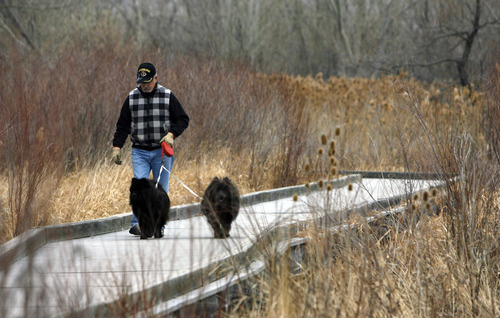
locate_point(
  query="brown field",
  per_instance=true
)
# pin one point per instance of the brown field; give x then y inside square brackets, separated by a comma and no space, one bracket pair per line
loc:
[379,130]
[262,131]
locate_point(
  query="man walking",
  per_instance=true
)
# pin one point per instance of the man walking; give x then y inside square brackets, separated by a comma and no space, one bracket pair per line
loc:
[151,114]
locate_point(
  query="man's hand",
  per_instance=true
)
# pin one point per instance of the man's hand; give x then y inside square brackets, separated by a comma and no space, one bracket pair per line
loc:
[117,155]
[169,139]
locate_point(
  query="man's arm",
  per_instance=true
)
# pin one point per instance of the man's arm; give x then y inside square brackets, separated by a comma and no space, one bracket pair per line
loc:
[122,126]
[179,120]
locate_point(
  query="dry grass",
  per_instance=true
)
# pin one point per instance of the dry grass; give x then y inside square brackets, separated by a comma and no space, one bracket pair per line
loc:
[265,135]
[419,265]
[367,120]
[399,268]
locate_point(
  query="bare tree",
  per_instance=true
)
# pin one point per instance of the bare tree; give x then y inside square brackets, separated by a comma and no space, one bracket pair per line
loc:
[13,27]
[364,34]
[48,25]
[454,27]
[445,38]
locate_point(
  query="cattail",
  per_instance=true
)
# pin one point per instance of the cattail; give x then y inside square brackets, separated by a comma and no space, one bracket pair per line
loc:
[456,95]
[337,131]
[329,187]
[307,167]
[415,197]
[320,151]
[434,192]
[349,187]
[428,206]
[387,105]
[323,140]
[425,196]
[320,184]
[413,207]
[334,171]
[403,73]
[332,144]
[307,185]
[40,134]
[295,197]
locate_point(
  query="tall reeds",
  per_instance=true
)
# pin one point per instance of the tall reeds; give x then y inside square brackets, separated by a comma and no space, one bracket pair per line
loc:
[56,124]
[59,114]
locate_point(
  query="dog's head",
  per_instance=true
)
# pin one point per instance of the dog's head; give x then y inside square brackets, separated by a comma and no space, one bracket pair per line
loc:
[139,184]
[223,195]
[137,188]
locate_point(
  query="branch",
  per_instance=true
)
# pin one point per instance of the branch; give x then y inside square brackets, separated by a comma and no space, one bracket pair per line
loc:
[459,34]
[435,63]
[8,14]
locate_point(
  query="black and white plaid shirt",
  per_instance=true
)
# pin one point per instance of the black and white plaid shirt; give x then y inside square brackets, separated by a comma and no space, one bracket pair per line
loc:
[149,117]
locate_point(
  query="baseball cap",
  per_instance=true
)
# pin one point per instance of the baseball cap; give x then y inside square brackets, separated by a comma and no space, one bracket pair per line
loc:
[145,73]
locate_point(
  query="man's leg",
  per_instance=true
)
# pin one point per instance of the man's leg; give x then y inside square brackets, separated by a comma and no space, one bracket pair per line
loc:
[141,167]
[156,167]
[156,162]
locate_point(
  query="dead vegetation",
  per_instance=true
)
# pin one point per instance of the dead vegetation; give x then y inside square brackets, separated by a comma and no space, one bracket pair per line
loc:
[265,131]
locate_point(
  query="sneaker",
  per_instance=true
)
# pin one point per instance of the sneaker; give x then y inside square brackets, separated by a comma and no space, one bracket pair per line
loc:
[134,230]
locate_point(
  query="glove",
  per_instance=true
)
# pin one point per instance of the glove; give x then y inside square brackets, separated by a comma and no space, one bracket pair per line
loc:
[117,155]
[169,139]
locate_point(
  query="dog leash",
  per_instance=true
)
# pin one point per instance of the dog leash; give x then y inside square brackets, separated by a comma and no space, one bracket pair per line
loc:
[182,183]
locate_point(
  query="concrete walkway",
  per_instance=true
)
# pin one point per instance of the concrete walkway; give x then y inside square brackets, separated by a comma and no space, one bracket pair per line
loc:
[117,273]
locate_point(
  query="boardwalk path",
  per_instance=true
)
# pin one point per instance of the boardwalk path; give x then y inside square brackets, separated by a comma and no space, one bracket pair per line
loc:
[84,274]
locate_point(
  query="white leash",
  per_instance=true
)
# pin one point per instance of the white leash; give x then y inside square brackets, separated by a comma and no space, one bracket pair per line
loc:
[182,183]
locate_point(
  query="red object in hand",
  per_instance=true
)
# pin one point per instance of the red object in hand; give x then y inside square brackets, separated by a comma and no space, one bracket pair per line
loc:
[167,150]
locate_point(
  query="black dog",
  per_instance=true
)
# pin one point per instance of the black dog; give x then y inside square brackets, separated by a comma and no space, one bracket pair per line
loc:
[220,204]
[150,205]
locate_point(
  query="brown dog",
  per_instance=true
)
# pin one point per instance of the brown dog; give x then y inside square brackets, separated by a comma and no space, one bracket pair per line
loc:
[221,204]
